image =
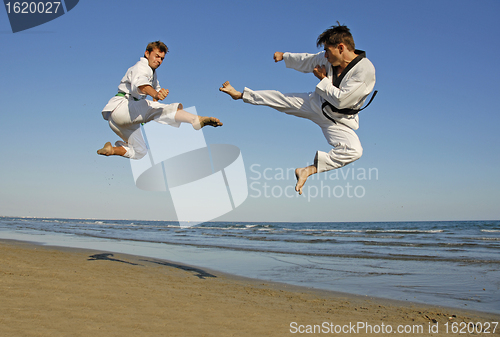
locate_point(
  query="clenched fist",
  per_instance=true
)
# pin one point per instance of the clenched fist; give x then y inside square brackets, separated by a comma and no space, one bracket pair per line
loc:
[320,72]
[278,56]
[162,94]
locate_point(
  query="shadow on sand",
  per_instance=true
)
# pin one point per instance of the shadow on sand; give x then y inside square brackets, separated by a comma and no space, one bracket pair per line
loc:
[197,272]
[107,257]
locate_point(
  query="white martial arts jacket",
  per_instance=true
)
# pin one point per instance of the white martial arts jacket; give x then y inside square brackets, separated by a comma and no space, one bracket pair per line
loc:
[348,91]
[138,75]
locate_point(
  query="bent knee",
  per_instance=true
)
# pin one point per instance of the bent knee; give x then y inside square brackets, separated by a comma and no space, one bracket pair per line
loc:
[357,153]
[136,153]
[351,155]
[139,154]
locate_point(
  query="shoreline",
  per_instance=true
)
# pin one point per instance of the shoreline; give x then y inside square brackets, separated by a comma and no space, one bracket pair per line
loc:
[103,291]
[273,284]
[294,270]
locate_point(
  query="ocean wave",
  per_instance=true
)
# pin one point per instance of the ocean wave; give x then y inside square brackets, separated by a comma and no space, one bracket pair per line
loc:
[405,231]
[328,239]
[419,244]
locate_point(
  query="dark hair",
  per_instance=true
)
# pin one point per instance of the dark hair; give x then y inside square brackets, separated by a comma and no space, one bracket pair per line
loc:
[335,35]
[157,45]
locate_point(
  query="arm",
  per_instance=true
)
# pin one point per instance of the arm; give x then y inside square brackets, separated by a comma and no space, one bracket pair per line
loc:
[346,97]
[355,87]
[305,62]
[156,95]
[143,81]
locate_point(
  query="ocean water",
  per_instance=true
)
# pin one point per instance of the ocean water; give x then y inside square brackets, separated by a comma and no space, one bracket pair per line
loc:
[451,263]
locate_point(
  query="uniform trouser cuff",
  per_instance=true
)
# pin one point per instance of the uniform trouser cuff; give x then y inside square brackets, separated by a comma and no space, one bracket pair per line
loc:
[247,96]
[320,161]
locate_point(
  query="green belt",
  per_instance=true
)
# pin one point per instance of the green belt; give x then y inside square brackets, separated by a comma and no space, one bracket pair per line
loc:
[122,94]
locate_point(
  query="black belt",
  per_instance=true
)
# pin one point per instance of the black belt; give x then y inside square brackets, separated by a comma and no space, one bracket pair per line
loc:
[344,111]
[122,94]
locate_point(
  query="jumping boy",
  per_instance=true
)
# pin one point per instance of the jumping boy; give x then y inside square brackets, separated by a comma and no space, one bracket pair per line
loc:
[346,78]
[129,108]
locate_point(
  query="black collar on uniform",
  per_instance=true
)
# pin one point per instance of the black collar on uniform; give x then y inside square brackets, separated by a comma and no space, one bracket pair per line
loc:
[336,82]
[337,79]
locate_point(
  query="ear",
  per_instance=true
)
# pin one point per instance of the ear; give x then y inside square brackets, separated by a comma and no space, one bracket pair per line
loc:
[146,54]
[341,47]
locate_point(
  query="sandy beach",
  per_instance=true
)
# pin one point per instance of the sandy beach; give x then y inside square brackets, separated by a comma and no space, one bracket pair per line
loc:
[46,291]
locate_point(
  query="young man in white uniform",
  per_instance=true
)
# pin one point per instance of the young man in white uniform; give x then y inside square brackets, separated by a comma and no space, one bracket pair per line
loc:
[129,108]
[346,79]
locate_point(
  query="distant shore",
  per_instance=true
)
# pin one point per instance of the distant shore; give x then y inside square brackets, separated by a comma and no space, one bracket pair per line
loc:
[48,291]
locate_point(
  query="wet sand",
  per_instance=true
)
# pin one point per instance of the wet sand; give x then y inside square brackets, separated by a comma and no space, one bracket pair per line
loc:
[47,291]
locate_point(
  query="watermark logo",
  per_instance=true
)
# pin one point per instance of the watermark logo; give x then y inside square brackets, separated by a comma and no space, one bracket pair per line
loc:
[28,14]
[275,182]
[205,182]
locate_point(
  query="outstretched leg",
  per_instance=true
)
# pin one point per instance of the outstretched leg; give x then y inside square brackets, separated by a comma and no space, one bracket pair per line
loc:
[204,121]
[197,122]
[302,174]
[295,104]
[228,89]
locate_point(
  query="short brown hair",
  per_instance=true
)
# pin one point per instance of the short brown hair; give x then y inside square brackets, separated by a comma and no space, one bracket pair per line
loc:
[157,45]
[335,35]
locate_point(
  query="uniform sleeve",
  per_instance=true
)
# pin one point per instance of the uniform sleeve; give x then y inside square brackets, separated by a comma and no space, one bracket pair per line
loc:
[353,90]
[139,76]
[304,62]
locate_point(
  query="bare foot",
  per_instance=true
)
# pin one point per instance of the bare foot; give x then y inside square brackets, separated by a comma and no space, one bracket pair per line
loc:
[228,89]
[301,175]
[204,121]
[107,150]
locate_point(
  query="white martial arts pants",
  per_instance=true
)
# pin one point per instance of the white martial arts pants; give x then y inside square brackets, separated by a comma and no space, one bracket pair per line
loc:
[126,119]
[346,145]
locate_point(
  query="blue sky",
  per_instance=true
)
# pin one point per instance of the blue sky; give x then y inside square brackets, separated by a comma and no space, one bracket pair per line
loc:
[430,135]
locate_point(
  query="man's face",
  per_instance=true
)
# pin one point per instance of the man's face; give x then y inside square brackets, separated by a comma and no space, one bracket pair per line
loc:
[155,58]
[334,54]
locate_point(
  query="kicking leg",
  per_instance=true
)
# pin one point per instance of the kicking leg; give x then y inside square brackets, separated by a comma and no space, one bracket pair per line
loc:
[197,122]
[295,104]
[228,89]
[302,174]
[204,121]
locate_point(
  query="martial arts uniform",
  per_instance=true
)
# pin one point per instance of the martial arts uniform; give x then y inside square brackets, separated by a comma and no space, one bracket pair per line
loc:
[333,106]
[126,111]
